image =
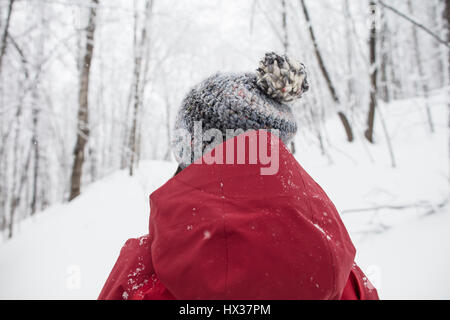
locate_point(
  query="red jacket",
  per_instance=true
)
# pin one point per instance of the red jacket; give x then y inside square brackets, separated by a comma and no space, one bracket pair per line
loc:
[227,232]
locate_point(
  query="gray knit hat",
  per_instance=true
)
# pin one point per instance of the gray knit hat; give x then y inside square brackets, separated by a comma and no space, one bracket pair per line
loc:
[250,101]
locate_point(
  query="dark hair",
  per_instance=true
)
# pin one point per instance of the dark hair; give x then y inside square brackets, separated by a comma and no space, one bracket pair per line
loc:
[179,169]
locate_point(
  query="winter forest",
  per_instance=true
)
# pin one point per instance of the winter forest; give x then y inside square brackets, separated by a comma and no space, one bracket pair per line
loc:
[89,91]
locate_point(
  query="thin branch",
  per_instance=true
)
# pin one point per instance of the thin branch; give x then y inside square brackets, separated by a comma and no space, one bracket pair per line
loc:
[386,207]
[269,20]
[427,205]
[417,24]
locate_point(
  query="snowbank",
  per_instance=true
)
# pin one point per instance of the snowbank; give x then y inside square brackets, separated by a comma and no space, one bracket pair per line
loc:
[68,251]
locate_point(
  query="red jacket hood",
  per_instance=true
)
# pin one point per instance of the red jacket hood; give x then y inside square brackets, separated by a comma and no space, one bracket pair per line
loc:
[228,232]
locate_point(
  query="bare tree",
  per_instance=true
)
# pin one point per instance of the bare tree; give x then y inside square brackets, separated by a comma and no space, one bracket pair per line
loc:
[326,75]
[35,115]
[167,107]
[440,52]
[19,169]
[384,35]
[83,99]
[284,25]
[446,16]
[447,27]
[140,45]
[19,172]
[373,72]
[17,188]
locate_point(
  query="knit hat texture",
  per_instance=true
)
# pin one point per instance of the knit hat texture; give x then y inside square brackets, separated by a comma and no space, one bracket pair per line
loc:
[248,101]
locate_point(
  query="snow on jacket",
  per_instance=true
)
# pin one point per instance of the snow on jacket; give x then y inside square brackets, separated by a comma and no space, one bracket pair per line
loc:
[224,231]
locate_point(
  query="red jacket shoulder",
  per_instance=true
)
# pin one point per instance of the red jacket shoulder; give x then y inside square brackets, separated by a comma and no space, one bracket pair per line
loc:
[132,270]
[359,287]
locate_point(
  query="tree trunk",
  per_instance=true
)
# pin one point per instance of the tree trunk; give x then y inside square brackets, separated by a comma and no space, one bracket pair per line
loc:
[15,199]
[384,34]
[125,153]
[83,119]
[447,22]
[139,48]
[137,81]
[284,26]
[35,112]
[169,139]
[439,25]
[17,183]
[35,146]
[325,74]
[373,73]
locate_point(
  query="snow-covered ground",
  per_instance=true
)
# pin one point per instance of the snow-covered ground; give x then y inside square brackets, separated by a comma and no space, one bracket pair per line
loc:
[67,251]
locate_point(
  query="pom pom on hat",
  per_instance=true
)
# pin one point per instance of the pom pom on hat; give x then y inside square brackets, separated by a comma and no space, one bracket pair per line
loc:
[281,78]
